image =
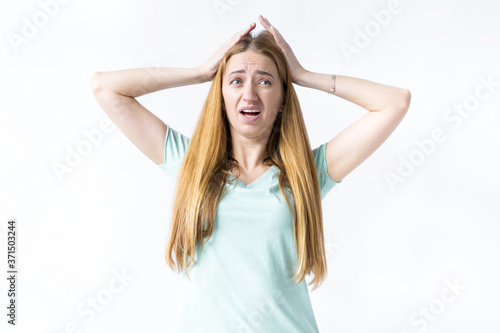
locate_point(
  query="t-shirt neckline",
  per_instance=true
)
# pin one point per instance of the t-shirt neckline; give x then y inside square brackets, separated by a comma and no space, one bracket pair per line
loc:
[257,181]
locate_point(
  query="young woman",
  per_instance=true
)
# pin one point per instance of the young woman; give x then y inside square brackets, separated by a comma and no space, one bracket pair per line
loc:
[247,220]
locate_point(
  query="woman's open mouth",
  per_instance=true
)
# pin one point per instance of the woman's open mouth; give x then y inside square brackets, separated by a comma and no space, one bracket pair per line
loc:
[250,114]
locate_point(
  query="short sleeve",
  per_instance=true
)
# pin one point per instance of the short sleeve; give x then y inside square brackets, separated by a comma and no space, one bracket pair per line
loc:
[176,145]
[326,183]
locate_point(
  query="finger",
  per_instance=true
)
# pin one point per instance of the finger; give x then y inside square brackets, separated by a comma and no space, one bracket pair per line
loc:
[264,22]
[237,37]
[246,30]
[271,28]
[269,25]
[263,19]
[277,32]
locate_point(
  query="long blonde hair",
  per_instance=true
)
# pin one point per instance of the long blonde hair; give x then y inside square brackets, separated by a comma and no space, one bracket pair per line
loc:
[204,170]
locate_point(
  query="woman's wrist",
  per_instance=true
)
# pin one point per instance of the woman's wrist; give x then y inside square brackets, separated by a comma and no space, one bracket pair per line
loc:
[202,75]
[302,78]
[317,81]
[171,77]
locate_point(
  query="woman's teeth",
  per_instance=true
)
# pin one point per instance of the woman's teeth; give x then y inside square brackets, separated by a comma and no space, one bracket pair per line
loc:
[251,113]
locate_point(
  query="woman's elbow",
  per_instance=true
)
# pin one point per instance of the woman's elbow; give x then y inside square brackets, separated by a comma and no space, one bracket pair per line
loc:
[95,82]
[407,98]
[403,100]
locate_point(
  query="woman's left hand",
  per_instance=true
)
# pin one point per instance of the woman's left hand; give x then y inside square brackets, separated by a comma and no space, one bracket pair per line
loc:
[296,69]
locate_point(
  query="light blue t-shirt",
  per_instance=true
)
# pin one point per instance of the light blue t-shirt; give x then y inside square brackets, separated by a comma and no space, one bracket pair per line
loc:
[241,281]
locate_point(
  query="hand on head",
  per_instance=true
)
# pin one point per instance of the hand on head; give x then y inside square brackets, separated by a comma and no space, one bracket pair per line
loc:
[296,69]
[209,68]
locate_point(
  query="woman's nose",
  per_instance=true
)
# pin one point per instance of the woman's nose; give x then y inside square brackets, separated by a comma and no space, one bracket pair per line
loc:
[249,93]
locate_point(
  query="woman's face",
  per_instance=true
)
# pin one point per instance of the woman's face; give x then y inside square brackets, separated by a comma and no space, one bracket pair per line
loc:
[251,83]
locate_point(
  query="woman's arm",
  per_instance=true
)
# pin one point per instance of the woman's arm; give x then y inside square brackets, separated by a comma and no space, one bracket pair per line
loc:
[116,92]
[367,94]
[387,106]
[140,81]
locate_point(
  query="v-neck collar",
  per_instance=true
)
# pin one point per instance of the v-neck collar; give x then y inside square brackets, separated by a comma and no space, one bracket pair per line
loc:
[257,181]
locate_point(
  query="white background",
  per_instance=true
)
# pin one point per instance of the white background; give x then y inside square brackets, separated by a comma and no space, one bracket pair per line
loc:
[391,248]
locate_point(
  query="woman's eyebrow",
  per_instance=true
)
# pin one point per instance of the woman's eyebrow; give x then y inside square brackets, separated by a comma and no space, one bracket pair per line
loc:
[240,71]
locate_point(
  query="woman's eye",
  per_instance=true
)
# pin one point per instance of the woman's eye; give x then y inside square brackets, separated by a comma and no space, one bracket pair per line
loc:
[238,81]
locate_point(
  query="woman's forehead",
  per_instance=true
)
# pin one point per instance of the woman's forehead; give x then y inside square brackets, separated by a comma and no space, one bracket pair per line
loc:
[251,61]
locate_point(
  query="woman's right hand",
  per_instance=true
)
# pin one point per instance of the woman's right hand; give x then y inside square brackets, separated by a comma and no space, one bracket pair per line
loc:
[209,68]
